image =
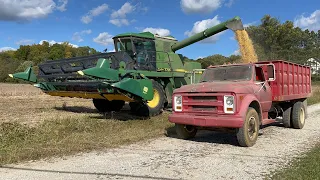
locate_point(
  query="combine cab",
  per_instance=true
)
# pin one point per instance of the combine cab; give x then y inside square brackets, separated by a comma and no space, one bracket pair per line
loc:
[144,70]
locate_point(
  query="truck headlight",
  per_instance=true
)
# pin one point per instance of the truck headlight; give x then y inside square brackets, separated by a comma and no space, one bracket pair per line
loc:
[229,100]
[178,103]
[228,104]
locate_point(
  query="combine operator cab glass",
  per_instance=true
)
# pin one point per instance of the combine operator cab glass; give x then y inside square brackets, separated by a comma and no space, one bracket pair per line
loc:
[142,51]
[145,54]
[227,73]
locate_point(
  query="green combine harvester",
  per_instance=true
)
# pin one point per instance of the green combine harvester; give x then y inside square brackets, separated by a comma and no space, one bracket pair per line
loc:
[143,71]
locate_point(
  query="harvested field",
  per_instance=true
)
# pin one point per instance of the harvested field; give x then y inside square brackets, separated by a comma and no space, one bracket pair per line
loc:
[28,105]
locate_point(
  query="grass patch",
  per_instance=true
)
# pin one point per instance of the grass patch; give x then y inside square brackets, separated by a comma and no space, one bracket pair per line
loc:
[64,137]
[315,98]
[305,167]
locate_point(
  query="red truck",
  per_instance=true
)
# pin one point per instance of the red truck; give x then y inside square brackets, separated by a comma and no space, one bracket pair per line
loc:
[243,97]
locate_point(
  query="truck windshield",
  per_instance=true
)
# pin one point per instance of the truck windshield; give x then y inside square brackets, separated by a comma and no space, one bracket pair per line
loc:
[227,73]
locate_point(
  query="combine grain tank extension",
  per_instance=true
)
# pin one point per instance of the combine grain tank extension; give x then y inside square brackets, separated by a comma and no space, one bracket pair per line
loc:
[144,70]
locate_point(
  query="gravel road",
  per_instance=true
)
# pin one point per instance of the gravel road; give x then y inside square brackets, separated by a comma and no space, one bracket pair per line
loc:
[212,155]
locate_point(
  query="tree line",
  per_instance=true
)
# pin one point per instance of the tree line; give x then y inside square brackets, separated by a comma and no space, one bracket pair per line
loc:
[26,55]
[271,39]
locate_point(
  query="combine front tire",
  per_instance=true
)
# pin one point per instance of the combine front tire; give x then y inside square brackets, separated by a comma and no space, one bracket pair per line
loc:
[247,135]
[298,115]
[185,131]
[154,106]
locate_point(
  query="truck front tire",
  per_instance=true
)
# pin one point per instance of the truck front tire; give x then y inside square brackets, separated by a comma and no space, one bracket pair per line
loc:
[185,131]
[247,135]
[298,115]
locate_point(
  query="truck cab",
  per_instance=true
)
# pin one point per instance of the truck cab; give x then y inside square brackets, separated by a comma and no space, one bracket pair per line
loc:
[240,97]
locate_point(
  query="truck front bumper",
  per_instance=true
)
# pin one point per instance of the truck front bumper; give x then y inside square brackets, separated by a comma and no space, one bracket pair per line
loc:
[230,121]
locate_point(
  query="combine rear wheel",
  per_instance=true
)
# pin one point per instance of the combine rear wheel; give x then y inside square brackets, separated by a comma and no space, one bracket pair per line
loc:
[153,107]
[247,135]
[104,105]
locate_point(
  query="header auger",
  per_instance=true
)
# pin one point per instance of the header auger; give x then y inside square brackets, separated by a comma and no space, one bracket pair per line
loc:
[144,70]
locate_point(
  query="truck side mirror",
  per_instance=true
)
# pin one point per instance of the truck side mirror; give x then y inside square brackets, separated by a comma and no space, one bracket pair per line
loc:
[271,72]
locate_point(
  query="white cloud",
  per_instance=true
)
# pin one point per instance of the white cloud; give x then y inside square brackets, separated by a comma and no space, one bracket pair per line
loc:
[63,5]
[200,26]
[126,8]
[52,42]
[249,24]
[160,31]
[77,36]
[312,22]
[25,42]
[232,38]
[93,13]
[119,22]
[199,6]
[229,3]
[236,52]
[119,17]
[24,10]
[103,39]
[3,49]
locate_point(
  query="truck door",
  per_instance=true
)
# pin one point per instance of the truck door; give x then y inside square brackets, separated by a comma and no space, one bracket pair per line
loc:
[263,93]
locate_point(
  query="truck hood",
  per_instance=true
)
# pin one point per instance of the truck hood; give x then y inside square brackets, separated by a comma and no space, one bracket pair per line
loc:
[227,86]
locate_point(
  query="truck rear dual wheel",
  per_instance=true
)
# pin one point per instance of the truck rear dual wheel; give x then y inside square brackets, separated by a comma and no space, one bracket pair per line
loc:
[104,105]
[286,117]
[247,135]
[185,131]
[298,115]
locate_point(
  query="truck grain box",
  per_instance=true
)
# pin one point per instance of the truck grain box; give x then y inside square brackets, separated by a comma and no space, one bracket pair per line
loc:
[243,97]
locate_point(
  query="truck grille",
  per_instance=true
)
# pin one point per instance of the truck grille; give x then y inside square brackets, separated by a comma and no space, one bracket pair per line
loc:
[203,103]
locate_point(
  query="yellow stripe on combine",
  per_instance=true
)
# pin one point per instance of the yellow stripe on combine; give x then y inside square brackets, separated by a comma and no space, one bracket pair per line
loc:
[86,95]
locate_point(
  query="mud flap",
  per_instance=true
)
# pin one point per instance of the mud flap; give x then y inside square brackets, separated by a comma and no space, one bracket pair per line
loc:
[139,87]
[27,75]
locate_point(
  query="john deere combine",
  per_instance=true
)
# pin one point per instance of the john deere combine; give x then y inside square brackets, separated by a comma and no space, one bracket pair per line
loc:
[144,70]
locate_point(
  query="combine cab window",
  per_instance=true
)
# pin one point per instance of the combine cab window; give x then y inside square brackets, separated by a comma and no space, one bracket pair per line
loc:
[124,44]
[145,54]
[142,50]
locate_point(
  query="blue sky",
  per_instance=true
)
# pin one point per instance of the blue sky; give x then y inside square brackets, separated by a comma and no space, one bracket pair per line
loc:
[94,22]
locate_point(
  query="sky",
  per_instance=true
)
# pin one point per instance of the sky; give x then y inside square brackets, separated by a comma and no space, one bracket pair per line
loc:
[94,22]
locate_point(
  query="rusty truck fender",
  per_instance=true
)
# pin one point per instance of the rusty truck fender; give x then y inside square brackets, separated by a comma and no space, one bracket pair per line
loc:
[245,103]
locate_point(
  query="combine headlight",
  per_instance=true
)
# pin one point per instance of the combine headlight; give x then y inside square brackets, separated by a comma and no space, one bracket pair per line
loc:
[178,103]
[228,104]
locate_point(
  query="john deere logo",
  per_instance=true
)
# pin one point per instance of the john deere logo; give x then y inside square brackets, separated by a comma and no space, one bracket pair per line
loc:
[145,90]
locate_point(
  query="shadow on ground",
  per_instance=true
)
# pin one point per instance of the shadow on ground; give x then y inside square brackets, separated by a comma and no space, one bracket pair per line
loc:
[219,137]
[115,175]
[208,136]
[124,115]
[76,109]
